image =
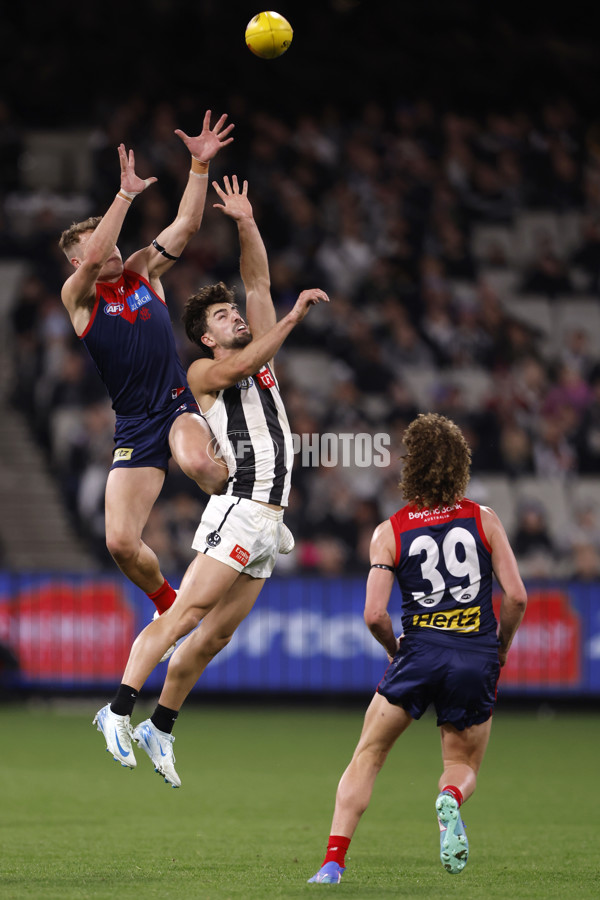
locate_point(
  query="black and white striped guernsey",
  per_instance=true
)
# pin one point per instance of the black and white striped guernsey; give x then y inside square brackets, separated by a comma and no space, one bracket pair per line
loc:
[253,436]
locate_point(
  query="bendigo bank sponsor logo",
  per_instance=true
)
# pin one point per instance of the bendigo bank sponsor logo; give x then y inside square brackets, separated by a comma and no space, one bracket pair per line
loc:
[451,620]
[433,513]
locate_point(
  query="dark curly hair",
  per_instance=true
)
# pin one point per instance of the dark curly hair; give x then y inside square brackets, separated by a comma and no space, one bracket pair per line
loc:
[195,313]
[437,462]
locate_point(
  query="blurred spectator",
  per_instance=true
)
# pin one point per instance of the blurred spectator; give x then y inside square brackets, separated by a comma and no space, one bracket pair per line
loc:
[587,438]
[455,252]
[584,543]
[516,450]
[553,454]
[587,254]
[531,541]
[547,275]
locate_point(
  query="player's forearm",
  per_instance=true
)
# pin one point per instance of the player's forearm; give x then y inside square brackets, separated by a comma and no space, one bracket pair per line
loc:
[254,264]
[256,354]
[191,206]
[245,362]
[512,610]
[382,630]
[103,240]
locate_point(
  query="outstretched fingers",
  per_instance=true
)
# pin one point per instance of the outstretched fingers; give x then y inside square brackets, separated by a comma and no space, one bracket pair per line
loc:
[129,180]
[220,129]
[231,187]
[220,190]
[122,158]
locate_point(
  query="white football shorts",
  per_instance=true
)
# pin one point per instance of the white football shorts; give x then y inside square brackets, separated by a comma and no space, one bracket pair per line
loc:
[241,533]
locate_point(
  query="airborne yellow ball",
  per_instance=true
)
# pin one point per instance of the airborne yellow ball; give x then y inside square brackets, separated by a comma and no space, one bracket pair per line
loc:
[268,35]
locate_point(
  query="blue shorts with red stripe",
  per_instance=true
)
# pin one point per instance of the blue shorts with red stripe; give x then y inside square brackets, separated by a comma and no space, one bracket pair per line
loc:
[460,681]
[144,440]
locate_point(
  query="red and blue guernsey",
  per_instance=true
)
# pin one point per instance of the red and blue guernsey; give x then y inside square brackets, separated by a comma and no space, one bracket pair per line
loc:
[130,339]
[444,569]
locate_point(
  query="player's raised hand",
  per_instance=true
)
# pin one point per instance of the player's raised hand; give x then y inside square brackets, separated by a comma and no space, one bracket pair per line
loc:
[306,299]
[131,182]
[235,202]
[207,144]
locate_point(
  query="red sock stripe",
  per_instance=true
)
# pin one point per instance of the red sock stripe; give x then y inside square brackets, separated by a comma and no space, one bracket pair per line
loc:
[164,597]
[456,793]
[336,849]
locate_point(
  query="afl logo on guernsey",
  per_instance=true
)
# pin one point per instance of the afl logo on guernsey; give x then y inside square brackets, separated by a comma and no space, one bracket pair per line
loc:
[114,309]
[245,384]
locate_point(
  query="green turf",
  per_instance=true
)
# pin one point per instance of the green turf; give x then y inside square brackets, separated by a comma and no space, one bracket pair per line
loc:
[253,815]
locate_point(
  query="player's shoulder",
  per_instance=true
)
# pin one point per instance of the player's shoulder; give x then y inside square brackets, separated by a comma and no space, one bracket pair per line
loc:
[383,533]
[489,515]
[492,525]
[201,364]
[383,543]
[137,261]
[197,372]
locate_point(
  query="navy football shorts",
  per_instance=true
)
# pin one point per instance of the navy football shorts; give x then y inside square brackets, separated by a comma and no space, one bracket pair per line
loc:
[144,440]
[460,681]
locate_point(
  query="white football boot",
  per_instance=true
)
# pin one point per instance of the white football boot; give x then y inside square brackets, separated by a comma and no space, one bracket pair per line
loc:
[117,734]
[159,747]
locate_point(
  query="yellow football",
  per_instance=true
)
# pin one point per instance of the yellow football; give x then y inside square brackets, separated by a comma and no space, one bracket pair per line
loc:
[268,35]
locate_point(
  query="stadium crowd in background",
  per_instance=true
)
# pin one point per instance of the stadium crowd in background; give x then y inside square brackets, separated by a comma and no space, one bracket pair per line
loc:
[383,209]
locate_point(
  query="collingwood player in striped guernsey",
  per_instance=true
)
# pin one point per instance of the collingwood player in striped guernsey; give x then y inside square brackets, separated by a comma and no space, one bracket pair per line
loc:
[248,419]
[241,530]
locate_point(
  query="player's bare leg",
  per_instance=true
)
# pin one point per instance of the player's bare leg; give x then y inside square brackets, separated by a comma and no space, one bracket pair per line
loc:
[130,496]
[384,723]
[462,754]
[192,447]
[188,664]
[204,583]
[194,654]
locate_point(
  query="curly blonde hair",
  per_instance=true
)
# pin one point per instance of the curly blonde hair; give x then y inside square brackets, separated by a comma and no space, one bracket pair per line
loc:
[436,464]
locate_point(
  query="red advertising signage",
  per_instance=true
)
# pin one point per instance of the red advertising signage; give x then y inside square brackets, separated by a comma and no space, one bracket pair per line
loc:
[68,630]
[546,651]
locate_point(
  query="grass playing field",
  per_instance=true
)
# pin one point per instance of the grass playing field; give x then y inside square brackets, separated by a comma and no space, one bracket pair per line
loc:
[252,817]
